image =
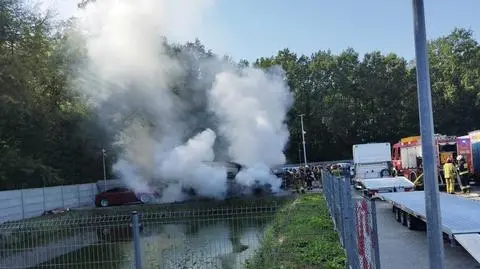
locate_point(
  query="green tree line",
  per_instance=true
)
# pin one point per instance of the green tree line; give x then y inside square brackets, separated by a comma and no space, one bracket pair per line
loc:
[48,136]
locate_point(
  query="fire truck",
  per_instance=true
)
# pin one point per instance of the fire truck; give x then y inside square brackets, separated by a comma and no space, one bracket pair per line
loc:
[407,155]
[469,147]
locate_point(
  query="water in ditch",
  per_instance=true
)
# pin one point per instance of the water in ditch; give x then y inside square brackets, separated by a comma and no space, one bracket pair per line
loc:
[203,243]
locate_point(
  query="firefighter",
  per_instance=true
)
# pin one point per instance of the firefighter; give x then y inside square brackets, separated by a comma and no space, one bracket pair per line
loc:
[449,173]
[462,169]
[334,170]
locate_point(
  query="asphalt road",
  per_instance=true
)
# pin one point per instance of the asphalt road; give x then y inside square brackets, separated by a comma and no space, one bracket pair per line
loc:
[402,248]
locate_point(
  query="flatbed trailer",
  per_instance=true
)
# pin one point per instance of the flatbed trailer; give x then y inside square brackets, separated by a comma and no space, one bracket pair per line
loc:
[460,217]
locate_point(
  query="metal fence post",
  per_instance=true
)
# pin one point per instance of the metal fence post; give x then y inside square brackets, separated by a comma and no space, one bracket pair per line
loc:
[432,200]
[44,200]
[136,240]
[23,204]
[375,247]
[343,211]
[78,194]
[63,196]
[350,245]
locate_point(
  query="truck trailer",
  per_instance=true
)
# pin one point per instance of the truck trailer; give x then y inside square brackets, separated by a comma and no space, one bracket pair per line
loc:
[459,215]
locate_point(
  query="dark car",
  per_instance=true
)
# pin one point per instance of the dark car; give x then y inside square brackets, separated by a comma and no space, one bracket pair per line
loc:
[232,170]
[233,187]
[122,196]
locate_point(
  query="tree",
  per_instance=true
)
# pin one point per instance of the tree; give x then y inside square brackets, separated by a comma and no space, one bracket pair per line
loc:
[49,136]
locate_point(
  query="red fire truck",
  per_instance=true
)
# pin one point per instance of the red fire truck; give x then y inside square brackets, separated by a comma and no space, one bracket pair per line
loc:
[407,154]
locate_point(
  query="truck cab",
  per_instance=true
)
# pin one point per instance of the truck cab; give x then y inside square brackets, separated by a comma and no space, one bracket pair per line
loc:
[373,167]
[407,155]
[371,160]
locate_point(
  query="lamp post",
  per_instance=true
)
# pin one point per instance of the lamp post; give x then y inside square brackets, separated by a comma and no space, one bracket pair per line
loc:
[299,155]
[432,204]
[104,170]
[303,140]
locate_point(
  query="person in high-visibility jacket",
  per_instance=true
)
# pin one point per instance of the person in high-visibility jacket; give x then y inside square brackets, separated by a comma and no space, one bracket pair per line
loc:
[462,169]
[449,173]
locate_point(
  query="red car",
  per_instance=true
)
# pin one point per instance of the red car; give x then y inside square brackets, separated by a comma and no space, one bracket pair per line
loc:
[122,196]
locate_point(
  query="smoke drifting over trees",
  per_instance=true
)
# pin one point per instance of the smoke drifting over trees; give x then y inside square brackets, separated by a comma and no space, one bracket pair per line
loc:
[117,77]
[184,99]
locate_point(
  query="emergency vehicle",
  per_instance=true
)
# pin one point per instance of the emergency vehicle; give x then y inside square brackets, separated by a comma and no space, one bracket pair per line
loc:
[469,147]
[407,154]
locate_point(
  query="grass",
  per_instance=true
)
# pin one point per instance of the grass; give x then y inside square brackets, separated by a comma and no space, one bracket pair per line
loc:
[300,236]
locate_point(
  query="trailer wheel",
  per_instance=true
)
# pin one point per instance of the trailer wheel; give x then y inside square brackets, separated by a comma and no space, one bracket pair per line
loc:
[414,223]
[411,222]
[404,216]
[398,215]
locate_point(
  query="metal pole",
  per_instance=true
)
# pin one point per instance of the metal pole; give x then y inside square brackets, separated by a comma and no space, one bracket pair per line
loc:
[432,204]
[350,225]
[104,171]
[136,240]
[303,141]
[299,156]
[375,247]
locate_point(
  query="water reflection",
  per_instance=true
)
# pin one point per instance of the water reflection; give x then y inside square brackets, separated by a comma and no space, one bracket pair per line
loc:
[207,243]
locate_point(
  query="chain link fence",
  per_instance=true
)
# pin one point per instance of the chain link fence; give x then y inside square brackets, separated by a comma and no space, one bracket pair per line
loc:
[154,238]
[354,217]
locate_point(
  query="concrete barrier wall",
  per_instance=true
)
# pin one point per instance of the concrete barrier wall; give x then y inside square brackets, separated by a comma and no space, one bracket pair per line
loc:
[28,203]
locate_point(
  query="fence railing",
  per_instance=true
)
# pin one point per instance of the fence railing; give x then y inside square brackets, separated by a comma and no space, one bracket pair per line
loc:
[153,238]
[354,217]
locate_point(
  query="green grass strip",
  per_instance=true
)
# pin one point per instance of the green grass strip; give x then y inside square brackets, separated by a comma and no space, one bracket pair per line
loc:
[300,236]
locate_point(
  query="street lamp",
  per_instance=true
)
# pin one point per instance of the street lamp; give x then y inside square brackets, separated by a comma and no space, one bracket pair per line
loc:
[303,140]
[104,170]
[299,154]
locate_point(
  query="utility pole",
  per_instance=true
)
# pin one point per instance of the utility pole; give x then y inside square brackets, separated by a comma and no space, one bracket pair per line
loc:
[299,154]
[432,203]
[303,140]
[104,170]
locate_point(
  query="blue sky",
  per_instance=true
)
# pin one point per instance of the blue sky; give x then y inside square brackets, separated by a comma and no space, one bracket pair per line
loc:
[255,28]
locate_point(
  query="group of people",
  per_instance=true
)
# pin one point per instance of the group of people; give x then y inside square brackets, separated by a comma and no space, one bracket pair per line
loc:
[303,177]
[450,171]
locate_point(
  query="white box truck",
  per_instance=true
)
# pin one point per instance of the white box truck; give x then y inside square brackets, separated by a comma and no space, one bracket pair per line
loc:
[372,173]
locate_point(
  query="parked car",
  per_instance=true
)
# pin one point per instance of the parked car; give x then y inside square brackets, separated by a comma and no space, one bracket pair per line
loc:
[122,196]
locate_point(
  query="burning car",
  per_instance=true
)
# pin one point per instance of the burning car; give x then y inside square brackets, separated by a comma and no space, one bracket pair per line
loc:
[234,188]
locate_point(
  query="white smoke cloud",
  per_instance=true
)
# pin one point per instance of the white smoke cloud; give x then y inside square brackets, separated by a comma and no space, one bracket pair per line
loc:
[252,106]
[127,76]
[187,165]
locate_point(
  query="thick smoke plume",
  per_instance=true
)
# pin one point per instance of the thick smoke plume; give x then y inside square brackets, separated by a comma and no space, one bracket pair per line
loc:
[176,108]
